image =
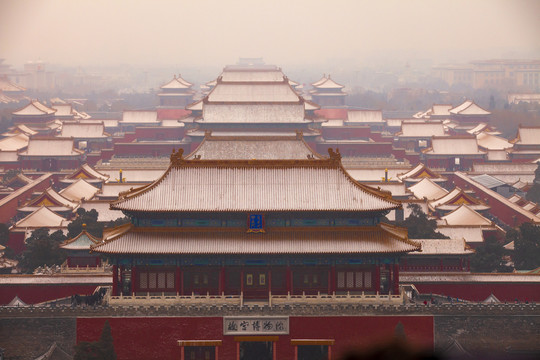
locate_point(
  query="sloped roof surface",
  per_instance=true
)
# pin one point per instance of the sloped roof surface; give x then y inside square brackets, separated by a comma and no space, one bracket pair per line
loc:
[51,147]
[43,217]
[88,129]
[229,148]
[79,190]
[428,189]
[312,241]
[35,108]
[469,108]
[421,129]
[264,185]
[464,215]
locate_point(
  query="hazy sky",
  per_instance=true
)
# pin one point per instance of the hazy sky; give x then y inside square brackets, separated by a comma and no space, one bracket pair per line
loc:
[217,32]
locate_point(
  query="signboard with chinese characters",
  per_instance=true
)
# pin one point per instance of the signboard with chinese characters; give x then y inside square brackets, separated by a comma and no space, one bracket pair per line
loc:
[255,223]
[255,325]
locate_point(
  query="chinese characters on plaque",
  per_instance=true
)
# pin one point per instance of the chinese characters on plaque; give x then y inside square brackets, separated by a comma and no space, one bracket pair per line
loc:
[255,223]
[271,325]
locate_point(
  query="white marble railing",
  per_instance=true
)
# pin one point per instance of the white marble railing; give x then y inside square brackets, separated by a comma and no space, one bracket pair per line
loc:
[163,299]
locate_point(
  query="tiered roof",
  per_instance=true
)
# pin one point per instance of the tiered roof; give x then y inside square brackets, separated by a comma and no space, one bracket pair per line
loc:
[177,83]
[34,108]
[255,185]
[255,148]
[272,92]
[326,83]
[383,238]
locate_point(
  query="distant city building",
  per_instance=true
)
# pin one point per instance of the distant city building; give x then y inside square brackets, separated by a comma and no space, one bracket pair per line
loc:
[524,74]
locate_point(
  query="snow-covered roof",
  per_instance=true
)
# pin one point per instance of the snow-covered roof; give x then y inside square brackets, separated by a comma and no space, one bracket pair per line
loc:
[327,83]
[34,108]
[252,76]
[253,92]
[49,146]
[43,217]
[139,117]
[422,129]
[469,108]
[88,129]
[365,116]
[456,246]
[471,234]
[14,142]
[255,185]
[105,214]
[465,216]
[50,198]
[428,189]
[79,190]
[492,142]
[177,83]
[528,136]
[62,109]
[229,148]
[254,113]
[83,241]
[453,145]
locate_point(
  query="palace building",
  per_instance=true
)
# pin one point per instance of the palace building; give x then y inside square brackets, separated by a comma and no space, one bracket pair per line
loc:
[255,227]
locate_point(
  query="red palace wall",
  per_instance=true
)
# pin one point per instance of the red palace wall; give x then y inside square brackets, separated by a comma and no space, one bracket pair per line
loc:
[9,209]
[156,337]
[498,208]
[480,291]
[34,294]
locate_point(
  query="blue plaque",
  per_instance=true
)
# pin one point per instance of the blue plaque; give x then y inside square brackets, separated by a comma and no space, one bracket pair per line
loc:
[255,223]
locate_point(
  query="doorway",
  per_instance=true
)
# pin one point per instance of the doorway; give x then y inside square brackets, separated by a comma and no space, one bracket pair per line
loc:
[256,350]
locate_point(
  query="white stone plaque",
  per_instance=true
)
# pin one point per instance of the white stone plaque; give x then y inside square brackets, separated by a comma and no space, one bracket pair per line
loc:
[255,325]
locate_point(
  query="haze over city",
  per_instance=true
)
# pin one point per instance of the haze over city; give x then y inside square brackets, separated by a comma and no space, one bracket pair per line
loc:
[263,180]
[212,33]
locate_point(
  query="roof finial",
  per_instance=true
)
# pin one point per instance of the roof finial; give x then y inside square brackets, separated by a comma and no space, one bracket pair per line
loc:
[177,157]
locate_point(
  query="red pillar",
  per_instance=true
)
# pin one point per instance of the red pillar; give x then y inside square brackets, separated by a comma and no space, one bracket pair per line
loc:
[395,276]
[115,280]
[133,279]
[221,279]
[377,278]
[332,279]
[242,281]
[121,279]
[177,282]
[289,279]
[269,280]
